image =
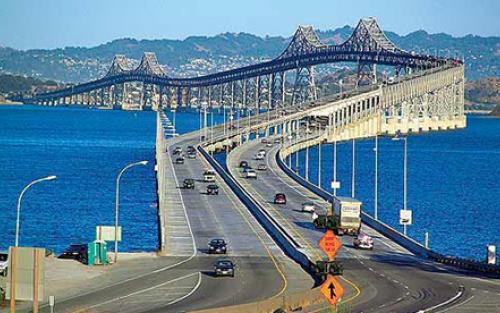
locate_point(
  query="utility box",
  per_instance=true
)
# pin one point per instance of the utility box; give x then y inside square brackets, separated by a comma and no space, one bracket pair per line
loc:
[97,251]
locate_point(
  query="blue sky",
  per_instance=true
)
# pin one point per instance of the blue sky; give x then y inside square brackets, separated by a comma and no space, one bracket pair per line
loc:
[27,24]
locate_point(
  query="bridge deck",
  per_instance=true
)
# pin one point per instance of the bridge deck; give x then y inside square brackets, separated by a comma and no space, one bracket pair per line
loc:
[390,277]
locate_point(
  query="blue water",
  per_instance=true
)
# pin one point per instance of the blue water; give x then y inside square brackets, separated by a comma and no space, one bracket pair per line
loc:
[86,149]
[453,177]
[453,184]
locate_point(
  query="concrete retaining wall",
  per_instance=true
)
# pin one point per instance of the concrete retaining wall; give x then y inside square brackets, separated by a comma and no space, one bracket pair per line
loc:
[291,303]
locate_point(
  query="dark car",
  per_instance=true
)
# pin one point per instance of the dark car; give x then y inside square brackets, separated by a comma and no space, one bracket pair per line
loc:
[77,252]
[190,149]
[179,160]
[177,150]
[188,183]
[224,268]
[280,198]
[243,164]
[212,189]
[217,246]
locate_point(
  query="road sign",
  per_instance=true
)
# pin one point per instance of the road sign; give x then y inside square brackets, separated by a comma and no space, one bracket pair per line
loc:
[335,184]
[405,217]
[26,274]
[107,233]
[492,254]
[330,244]
[332,290]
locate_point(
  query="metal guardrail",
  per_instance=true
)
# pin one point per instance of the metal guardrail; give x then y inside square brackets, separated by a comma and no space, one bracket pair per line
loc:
[405,241]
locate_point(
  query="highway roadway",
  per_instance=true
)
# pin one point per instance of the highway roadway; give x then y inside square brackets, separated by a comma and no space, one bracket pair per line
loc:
[183,279]
[390,278]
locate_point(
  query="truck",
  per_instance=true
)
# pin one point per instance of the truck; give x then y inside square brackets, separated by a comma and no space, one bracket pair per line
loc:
[344,218]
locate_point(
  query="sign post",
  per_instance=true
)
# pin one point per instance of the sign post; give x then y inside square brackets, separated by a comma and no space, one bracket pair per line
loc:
[331,288]
[25,276]
[330,244]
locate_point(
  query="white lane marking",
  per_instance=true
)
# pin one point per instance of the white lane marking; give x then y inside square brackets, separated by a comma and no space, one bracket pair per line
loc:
[151,288]
[189,294]
[458,295]
[183,205]
[164,268]
[458,304]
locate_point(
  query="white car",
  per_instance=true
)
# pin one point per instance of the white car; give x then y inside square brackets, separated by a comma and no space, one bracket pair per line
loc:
[209,176]
[363,241]
[251,174]
[4,263]
[259,156]
[308,207]
[269,144]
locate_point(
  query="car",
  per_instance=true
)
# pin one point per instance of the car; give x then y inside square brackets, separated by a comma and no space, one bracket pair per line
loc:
[269,144]
[177,150]
[264,140]
[224,267]
[212,189]
[209,176]
[363,241]
[243,164]
[259,156]
[261,167]
[190,149]
[280,198]
[77,252]
[263,152]
[217,246]
[4,263]
[179,160]
[277,140]
[308,207]
[191,155]
[188,183]
[251,174]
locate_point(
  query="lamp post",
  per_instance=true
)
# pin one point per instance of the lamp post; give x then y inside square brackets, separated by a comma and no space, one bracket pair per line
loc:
[405,174]
[375,211]
[20,199]
[117,201]
[353,187]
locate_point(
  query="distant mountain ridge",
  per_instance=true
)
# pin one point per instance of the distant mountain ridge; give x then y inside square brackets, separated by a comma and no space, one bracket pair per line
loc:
[198,55]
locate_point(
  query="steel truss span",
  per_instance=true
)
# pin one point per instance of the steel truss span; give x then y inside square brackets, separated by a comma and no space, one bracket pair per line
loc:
[366,46]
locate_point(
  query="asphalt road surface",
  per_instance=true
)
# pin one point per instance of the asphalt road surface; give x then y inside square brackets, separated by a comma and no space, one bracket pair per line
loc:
[390,278]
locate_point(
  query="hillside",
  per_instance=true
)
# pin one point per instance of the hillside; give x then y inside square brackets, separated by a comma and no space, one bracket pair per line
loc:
[483,90]
[199,55]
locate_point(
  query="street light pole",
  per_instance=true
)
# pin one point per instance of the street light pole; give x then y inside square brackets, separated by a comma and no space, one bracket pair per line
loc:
[117,201]
[319,157]
[405,174]
[375,211]
[20,199]
[353,187]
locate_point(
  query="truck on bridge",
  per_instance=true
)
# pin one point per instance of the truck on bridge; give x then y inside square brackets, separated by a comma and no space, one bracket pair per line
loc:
[345,217]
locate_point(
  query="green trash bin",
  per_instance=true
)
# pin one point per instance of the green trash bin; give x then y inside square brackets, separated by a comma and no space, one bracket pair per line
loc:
[97,251]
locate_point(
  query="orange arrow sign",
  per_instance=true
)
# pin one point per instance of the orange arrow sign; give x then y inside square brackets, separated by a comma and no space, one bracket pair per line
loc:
[330,244]
[332,290]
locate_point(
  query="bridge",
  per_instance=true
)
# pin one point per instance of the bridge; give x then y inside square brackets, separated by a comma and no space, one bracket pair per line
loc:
[286,80]
[276,249]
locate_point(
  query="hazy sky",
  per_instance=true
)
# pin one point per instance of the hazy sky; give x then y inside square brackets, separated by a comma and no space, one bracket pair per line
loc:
[27,24]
